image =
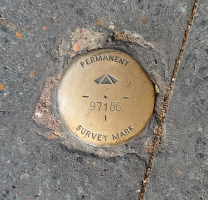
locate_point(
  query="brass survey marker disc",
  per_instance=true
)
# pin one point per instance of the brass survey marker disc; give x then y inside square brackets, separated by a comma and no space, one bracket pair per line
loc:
[105,97]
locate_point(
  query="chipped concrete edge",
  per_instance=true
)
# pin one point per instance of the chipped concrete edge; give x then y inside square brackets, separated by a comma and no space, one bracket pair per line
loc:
[72,47]
[132,37]
[42,113]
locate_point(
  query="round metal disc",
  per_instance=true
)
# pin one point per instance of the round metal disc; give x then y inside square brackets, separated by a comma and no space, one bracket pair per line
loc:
[105,97]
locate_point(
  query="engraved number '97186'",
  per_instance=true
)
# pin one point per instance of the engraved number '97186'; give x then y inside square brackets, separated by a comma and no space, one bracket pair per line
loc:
[112,106]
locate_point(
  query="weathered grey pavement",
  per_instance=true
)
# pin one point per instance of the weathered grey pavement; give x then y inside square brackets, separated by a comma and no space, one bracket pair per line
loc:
[37,41]
[180,170]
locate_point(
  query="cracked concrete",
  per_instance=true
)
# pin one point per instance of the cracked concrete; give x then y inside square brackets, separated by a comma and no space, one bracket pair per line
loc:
[50,116]
[34,166]
[184,151]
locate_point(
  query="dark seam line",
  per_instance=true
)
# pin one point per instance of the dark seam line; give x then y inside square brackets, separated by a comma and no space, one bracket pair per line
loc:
[158,138]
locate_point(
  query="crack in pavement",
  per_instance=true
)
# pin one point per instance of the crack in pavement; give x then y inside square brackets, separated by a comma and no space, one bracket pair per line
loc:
[158,138]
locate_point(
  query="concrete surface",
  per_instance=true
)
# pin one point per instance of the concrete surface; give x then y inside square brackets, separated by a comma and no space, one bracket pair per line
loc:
[180,170]
[36,166]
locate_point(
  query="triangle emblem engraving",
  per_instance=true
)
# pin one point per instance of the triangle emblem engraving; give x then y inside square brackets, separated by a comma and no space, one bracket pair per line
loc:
[106,79]
[98,80]
[114,80]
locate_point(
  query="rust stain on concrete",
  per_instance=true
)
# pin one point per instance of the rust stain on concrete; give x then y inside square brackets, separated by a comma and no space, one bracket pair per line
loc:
[80,39]
[180,172]
[144,21]
[52,136]
[100,22]
[77,47]
[1,86]
[19,35]
[32,74]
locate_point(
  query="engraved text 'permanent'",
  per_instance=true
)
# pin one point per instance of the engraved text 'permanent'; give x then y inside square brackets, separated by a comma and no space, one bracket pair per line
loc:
[104,58]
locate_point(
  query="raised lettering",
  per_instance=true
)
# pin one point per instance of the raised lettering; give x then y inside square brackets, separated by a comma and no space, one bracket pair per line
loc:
[126,62]
[82,63]
[131,128]
[105,137]
[99,59]
[82,131]
[111,58]
[99,136]
[116,59]
[115,137]
[122,133]
[88,133]
[93,136]
[87,61]
[127,131]
[78,128]
[105,57]
[121,61]
[92,59]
